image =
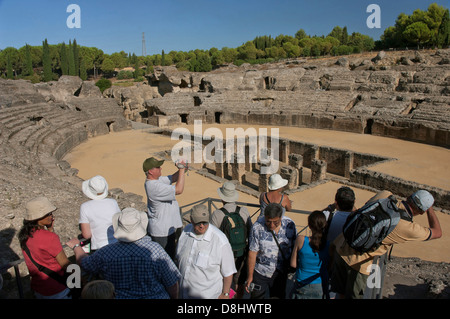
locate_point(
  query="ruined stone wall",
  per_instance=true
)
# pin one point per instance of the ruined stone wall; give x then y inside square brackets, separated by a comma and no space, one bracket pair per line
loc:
[403,95]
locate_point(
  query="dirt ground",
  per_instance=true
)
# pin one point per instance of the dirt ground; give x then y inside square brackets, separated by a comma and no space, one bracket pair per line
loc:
[119,156]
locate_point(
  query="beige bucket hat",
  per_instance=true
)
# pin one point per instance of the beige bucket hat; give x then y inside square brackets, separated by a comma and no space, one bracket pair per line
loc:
[38,208]
[228,192]
[130,225]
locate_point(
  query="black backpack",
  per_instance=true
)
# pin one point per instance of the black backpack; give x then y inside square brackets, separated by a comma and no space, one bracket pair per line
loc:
[367,227]
[233,226]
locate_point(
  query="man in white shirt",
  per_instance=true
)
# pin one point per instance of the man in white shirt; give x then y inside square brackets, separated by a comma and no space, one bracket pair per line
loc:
[96,215]
[205,259]
[164,217]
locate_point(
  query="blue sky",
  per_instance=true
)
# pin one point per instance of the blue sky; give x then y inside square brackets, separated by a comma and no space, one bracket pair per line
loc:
[181,25]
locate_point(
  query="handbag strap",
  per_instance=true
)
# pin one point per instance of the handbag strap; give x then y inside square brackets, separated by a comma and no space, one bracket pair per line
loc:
[52,274]
[278,244]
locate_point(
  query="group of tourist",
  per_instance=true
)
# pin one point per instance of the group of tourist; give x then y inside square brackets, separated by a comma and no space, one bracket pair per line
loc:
[223,255]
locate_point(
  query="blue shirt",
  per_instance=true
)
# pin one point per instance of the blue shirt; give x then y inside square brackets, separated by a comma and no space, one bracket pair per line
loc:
[138,270]
[269,258]
[310,264]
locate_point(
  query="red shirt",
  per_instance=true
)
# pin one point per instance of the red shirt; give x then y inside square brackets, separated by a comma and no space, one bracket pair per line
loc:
[44,246]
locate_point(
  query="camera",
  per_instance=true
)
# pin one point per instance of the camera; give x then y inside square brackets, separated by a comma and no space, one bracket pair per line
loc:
[254,287]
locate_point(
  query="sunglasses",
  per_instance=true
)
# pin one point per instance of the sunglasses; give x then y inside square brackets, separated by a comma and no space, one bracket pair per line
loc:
[201,223]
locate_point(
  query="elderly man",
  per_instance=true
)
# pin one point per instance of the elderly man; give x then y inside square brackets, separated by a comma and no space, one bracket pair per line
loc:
[138,267]
[205,259]
[239,222]
[271,241]
[351,269]
[162,207]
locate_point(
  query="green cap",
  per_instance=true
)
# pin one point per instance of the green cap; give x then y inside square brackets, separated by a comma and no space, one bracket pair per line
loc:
[150,163]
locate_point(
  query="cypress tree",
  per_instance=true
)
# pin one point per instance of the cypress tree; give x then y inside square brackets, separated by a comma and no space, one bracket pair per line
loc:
[76,60]
[70,57]
[83,73]
[47,62]
[64,60]
[28,70]
[163,58]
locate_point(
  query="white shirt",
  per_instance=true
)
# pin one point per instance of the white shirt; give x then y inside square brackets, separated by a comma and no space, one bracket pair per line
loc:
[162,207]
[98,214]
[203,260]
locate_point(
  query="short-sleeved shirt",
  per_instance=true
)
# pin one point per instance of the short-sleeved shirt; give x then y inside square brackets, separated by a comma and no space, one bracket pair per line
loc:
[98,214]
[218,215]
[404,231]
[138,270]
[269,258]
[204,260]
[44,246]
[162,207]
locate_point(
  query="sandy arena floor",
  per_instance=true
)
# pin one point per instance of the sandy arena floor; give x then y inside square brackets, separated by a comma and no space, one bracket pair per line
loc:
[119,156]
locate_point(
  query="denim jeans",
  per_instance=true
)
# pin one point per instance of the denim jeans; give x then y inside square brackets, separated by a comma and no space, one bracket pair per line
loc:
[309,291]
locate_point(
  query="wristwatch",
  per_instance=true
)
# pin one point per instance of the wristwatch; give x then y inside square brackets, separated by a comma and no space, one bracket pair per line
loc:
[226,294]
[76,245]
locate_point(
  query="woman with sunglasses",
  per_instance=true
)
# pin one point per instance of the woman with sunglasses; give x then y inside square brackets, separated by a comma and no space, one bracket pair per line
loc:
[42,247]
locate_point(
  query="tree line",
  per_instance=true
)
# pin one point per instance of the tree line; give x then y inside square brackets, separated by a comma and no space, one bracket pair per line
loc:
[429,28]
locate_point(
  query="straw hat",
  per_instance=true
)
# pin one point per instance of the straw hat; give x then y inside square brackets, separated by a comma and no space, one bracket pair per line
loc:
[276,182]
[130,225]
[228,192]
[38,208]
[95,188]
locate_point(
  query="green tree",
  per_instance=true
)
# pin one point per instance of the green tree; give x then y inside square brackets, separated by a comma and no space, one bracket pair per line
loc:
[163,58]
[83,70]
[204,62]
[71,59]
[107,66]
[64,59]
[417,33]
[300,34]
[9,68]
[28,67]
[443,35]
[47,62]
[76,57]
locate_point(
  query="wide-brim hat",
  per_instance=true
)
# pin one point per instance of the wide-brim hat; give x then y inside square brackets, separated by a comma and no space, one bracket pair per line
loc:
[38,208]
[228,192]
[150,163]
[200,214]
[276,182]
[95,188]
[130,225]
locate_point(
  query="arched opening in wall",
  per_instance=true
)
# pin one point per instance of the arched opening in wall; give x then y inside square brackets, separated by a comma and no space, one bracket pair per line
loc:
[217,117]
[184,118]
[368,128]
[197,101]
[110,126]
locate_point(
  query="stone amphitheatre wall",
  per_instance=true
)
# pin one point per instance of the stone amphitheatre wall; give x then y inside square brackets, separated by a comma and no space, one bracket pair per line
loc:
[403,95]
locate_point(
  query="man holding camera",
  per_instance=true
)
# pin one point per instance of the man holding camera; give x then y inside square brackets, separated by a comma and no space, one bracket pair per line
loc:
[164,219]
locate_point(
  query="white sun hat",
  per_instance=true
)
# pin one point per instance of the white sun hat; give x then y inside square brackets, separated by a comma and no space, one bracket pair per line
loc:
[95,188]
[276,182]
